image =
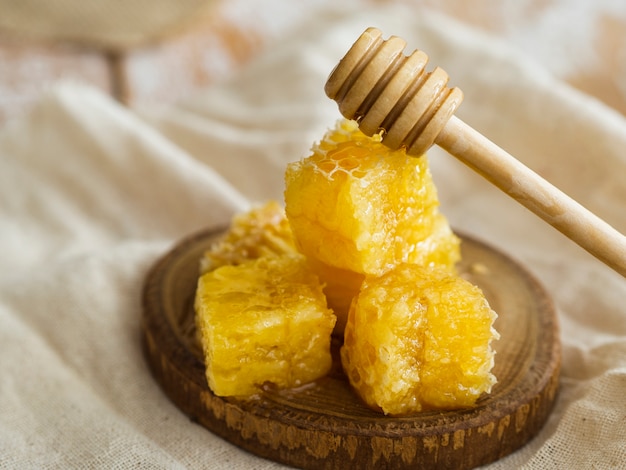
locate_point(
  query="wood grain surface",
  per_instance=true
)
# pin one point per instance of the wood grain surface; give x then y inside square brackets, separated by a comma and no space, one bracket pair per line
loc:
[323,424]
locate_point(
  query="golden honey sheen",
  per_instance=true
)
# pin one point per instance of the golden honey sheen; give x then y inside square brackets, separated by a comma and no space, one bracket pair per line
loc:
[419,338]
[360,251]
[357,208]
[264,321]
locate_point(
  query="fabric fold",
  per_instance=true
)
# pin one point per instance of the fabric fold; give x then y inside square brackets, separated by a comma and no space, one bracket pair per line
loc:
[91,194]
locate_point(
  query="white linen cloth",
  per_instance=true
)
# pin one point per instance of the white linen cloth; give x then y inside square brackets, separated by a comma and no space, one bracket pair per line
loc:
[91,194]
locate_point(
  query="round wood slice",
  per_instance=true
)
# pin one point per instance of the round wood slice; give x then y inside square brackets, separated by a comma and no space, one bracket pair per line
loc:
[323,424]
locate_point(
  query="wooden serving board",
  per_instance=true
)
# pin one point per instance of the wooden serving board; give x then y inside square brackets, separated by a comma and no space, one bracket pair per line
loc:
[323,425]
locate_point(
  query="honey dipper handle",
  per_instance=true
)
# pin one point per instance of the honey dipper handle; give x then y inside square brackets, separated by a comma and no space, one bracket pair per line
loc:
[382,88]
[536,194]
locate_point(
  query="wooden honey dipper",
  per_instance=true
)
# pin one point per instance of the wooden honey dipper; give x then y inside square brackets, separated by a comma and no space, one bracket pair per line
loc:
[385,90]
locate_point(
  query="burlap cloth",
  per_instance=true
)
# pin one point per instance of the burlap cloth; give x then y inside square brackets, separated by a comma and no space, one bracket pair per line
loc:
[91,194]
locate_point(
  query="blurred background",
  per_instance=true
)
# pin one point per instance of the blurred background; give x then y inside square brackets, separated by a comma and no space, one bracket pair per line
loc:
[146,52]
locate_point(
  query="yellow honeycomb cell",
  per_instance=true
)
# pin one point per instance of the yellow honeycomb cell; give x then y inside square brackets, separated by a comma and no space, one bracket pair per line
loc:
[419,338]
[357,208]
[261,231]
[264,321]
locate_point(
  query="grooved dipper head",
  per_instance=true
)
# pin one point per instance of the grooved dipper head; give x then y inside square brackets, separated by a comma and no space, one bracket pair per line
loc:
[384,90]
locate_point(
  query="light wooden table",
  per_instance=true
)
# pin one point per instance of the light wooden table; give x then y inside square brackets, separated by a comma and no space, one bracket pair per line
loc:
[582,42]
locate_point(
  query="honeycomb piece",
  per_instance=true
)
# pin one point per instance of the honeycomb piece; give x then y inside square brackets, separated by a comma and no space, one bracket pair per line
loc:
[264,321]
[262,231]
[417,339]
[357,208]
